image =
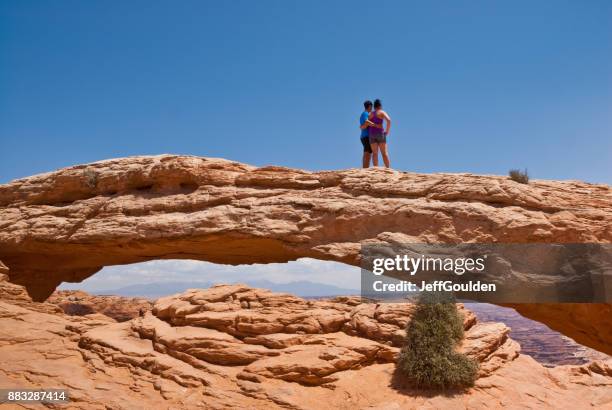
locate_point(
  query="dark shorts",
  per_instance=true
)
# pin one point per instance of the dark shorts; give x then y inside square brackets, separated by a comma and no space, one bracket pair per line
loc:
[365,141]
[378,139]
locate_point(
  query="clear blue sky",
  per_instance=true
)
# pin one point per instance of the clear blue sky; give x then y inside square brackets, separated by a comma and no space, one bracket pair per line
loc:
[472,86]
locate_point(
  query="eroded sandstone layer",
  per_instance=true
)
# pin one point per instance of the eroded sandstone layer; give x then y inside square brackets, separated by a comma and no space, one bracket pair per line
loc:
[66,225]
[79,303]
[238,347]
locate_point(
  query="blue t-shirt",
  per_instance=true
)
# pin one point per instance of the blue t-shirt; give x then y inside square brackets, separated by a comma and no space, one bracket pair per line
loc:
[364,117]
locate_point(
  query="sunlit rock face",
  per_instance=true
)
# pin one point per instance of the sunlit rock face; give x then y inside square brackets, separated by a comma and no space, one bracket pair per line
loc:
[66,225]
[232,346]
[79,303]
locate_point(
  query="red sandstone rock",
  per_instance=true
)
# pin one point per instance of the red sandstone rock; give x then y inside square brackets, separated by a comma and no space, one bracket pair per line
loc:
[68,224]
[147,363]
[79,303]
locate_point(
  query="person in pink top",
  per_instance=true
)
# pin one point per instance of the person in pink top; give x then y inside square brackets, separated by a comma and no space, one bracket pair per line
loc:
[378,137]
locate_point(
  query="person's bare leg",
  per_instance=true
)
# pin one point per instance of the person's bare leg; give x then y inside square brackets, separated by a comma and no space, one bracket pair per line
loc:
[385,154]
[374,154]
[366,159]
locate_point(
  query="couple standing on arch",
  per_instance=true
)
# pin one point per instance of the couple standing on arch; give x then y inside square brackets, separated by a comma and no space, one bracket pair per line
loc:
[373,138]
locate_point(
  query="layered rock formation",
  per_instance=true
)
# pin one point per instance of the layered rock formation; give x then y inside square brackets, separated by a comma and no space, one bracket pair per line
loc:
[79,303]
[237,347]
[68,224]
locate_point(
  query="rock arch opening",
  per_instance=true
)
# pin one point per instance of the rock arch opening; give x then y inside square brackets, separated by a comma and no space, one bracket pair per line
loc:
[305,277]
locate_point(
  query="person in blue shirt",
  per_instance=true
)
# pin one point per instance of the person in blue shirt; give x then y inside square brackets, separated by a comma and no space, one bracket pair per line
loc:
[364,124]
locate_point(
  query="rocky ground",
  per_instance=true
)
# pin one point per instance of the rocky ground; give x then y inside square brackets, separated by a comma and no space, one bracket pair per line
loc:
[538,341]
[232,346]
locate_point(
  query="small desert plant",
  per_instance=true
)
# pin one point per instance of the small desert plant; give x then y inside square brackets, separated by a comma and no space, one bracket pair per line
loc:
[428,359]
[91,177]
[519,176]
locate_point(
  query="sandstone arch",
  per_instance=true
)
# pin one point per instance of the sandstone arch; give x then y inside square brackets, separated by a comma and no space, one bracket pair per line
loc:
[68,224]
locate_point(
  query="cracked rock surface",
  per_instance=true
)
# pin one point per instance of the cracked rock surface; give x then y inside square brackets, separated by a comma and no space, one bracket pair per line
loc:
[232,346]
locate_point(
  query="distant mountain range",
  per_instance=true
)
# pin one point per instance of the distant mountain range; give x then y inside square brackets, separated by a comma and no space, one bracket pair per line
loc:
[157,290]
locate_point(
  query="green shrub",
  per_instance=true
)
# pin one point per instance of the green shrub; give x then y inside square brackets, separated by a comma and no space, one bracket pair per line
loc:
[518,176]
[428,358]
[91,178]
